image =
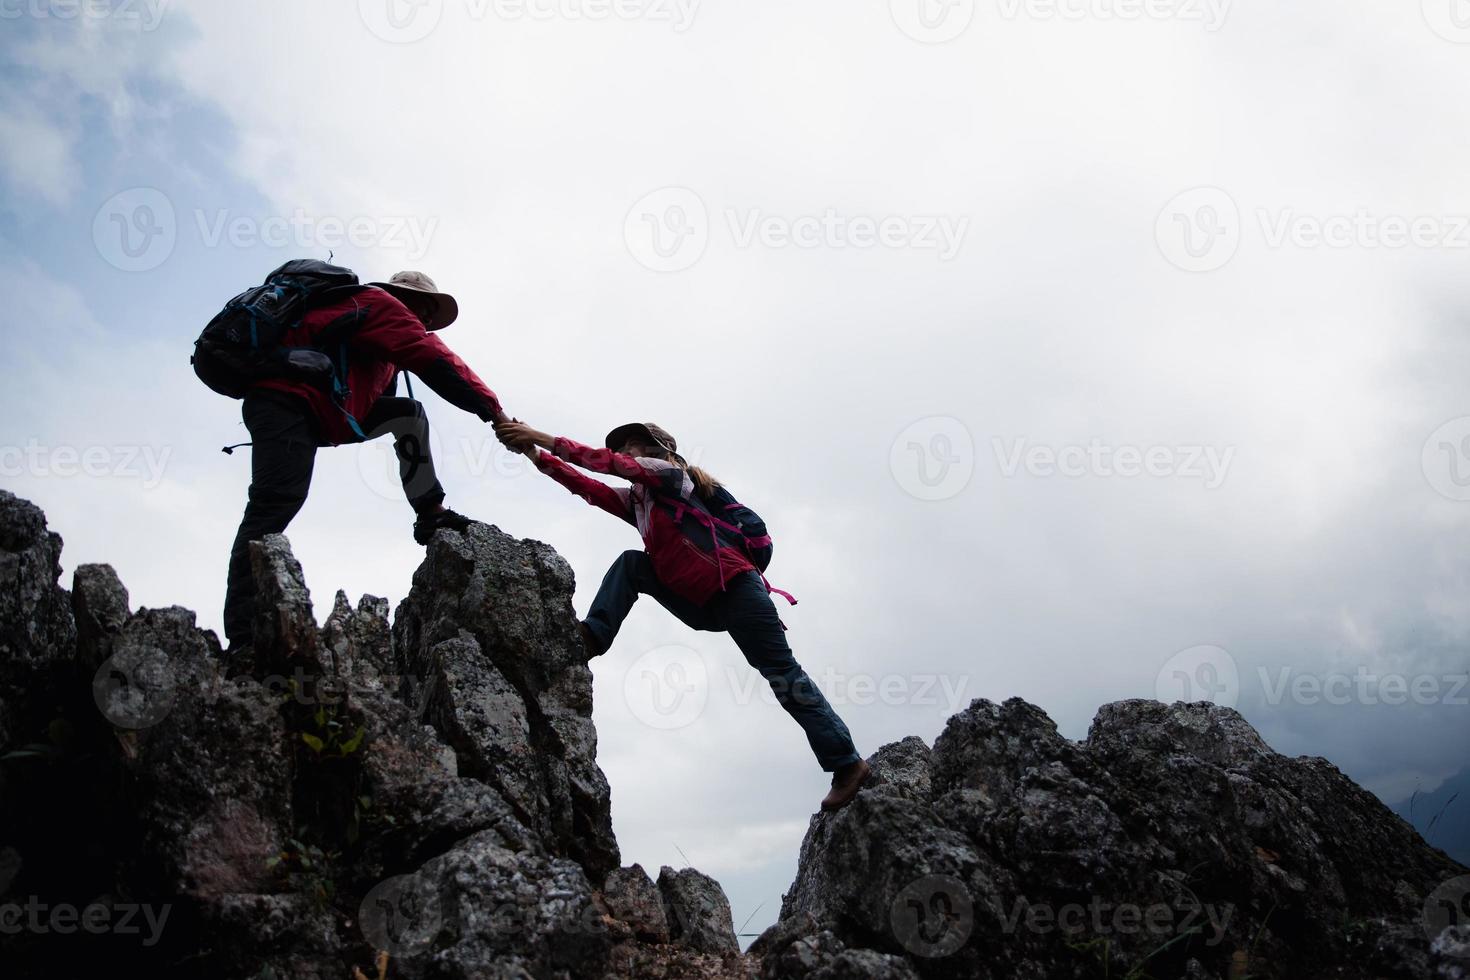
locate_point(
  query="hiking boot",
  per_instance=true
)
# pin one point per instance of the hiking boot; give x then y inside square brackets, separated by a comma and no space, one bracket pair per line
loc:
[845,784]
[594,649]
[427,524]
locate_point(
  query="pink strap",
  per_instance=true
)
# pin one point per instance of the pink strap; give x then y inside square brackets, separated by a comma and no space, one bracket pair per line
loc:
[780,592]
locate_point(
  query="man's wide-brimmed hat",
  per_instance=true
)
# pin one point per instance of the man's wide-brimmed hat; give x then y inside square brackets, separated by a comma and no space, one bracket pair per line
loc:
[652,434]
[406,285]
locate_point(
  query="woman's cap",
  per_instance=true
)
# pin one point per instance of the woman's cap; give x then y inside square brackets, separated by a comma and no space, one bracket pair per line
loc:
[647,431]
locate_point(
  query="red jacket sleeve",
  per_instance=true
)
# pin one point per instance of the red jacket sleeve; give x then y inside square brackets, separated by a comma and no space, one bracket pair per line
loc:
[595,492]
[395,334]
[669,480]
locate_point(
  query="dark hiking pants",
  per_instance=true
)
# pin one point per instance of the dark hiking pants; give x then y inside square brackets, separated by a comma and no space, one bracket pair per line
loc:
[746,612]
[281,461]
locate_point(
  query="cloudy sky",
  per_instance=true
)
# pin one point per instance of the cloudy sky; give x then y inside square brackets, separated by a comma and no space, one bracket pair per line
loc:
[1074,350]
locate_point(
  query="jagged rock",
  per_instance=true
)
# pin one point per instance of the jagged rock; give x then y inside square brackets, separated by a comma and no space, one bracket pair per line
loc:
[430,789]
[488,629]
[212,766]
[493,907]
[634,899]
[1172,841]
[37,632]
[697,911]
[99,604]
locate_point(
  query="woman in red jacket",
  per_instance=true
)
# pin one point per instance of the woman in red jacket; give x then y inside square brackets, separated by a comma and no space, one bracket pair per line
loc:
[690,570]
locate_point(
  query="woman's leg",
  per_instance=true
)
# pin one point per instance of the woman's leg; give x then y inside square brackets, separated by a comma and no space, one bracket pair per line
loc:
[628,578]
[746,610]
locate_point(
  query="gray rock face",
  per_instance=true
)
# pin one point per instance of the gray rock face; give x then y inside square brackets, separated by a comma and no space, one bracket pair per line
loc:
[1172,842]
[697,911]
[489,637]
[633,898]
[429,790]
[37,632]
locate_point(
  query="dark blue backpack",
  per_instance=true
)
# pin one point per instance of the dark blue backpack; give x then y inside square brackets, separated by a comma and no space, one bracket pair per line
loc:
[242,344]
[742,527]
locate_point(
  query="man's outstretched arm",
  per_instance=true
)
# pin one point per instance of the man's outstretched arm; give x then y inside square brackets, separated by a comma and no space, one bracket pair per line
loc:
[396,335]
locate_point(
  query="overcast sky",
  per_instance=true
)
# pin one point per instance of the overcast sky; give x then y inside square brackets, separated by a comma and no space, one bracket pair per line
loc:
[1074,350]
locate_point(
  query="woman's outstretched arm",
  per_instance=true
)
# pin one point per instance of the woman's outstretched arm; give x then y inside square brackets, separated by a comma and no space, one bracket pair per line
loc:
[652,473]
[522,437]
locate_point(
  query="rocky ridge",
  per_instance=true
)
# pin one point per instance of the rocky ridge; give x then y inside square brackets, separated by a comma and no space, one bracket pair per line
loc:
[427,788]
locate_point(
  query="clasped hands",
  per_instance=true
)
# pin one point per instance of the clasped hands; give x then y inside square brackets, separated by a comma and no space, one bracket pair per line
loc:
[520,437]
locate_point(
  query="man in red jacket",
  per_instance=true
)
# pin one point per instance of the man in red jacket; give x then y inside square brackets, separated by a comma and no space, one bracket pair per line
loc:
[360,344]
